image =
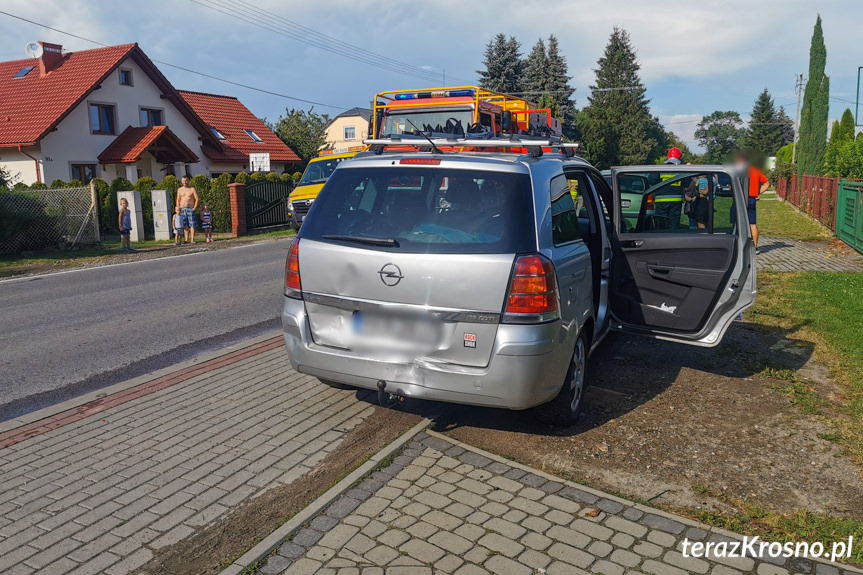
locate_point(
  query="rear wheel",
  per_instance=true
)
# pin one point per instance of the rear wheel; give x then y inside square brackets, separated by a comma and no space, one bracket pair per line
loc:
[565,408]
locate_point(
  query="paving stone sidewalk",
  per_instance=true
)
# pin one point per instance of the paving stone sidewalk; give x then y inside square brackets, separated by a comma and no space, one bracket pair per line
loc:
[439,508]
[99,494]
[792,255]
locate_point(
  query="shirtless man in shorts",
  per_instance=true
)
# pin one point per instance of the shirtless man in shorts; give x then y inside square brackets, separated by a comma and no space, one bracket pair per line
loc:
[187,200]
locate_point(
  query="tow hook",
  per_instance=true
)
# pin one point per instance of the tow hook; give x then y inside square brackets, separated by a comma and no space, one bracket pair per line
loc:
[386,399]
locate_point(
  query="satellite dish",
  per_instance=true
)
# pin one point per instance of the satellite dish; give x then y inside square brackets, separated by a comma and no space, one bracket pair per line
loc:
[33,49]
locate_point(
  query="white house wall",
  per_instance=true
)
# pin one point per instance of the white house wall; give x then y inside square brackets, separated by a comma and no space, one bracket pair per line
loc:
[20,167]
[72,142]
[335,133]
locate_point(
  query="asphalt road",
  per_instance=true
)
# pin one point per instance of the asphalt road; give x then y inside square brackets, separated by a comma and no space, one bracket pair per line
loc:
[65,334]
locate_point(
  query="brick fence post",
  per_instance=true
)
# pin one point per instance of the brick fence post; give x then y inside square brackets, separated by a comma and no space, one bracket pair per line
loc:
[238,209]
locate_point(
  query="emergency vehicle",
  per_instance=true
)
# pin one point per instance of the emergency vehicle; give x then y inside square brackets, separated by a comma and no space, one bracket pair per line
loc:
[458,112]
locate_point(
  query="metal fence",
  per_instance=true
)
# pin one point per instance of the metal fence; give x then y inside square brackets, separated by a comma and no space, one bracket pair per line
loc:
[849,214]
[33,220]
[815,195]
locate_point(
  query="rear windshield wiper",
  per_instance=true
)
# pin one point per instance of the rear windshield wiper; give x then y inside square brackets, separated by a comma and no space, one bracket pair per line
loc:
[389,242]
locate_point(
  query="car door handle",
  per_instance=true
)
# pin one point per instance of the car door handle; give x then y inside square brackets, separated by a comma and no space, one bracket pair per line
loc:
[633,243]
[660,271]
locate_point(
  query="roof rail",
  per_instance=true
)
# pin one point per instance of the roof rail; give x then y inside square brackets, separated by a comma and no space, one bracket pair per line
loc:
[534,146]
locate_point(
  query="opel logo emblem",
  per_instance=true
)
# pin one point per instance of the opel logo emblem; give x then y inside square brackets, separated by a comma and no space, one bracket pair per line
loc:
[391,274]
[308,202]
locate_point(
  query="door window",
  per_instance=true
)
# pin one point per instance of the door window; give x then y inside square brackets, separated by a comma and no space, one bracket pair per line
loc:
[688,202]
[564,218]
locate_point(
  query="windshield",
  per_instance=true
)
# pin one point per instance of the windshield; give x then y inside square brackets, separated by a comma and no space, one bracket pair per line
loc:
[318,171]
[425,210]
[446,121]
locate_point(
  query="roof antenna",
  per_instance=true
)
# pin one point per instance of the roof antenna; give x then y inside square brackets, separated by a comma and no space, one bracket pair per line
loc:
[435,149]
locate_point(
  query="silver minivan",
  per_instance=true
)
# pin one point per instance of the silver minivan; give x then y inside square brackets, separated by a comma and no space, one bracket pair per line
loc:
[486,278]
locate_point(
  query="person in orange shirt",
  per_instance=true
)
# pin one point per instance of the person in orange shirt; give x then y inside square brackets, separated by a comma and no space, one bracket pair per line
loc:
[758,184]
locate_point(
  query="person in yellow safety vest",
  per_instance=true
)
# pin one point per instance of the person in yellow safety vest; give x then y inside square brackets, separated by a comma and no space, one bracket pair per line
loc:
[668,200]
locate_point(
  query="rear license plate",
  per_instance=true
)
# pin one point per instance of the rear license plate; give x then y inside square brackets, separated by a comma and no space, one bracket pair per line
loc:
[625,203]
[397,330]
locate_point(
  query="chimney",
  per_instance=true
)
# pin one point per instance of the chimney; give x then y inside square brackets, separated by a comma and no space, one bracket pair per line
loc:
[52,57]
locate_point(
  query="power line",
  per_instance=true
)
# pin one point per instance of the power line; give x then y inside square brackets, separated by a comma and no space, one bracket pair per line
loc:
[274,23]
[183,68]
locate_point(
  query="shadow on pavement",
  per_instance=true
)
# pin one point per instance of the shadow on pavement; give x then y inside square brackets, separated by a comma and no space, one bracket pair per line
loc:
[626,372]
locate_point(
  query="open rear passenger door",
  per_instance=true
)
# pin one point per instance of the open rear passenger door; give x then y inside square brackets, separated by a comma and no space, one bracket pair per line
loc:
[683,265]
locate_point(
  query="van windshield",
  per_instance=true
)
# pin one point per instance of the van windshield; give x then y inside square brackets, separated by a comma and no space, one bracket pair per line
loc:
[425,210]
[435,121]
[318,172]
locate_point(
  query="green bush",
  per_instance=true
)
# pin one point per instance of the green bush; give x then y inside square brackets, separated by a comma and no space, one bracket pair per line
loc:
[57,184]
[20,187]
[297,176]
[242,178]
[39,186]
[74,184]
[119,185]
[272,177]
[25,223]
[145,186]
[107,206]
[217,195]
[256,177]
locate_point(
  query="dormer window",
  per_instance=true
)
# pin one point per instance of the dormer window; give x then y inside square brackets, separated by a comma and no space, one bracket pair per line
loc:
[255,138]
[219,135]
[125,77]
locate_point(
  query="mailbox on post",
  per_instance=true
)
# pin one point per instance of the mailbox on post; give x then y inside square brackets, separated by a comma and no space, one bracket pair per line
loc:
[162,214]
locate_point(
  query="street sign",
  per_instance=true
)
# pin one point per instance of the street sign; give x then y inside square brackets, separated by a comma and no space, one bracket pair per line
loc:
[259,162]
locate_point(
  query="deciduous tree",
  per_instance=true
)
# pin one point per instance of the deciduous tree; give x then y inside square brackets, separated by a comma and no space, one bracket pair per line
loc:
[720,133]
[303,131]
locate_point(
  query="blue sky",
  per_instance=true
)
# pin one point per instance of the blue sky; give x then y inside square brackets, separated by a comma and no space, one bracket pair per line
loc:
[696,56]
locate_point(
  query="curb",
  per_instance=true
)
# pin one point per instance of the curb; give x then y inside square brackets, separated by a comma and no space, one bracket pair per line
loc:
[644,508]
[46,412]
[274,539]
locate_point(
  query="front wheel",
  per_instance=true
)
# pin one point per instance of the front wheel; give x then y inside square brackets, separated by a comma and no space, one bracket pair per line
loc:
[565,408]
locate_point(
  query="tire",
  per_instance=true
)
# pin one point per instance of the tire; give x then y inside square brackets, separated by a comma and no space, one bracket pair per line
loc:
[565,408]
[335,384]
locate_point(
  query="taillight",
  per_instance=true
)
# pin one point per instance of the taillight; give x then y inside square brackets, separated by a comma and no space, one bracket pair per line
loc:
[532,296]
[649,201]
[292,271]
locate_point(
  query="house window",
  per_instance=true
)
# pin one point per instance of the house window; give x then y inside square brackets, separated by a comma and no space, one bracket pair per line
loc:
[101,119]
[219,135]
[350,132]
[83,172]
[255,138]
[125,77]
[151,117]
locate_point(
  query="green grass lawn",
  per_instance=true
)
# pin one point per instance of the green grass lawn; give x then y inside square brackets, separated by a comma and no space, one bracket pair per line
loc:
[827,309]
[781,219]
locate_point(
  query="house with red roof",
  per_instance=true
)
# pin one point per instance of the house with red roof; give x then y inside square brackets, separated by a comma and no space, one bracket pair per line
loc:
[110,112]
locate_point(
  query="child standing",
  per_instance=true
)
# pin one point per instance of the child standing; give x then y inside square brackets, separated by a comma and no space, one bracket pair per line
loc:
[124,220]
[207,222]
[178,226]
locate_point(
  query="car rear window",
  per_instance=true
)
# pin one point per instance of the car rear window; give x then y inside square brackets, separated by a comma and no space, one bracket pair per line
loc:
[425,210]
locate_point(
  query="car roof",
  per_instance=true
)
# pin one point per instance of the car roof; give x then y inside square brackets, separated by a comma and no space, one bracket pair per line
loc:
[486,158]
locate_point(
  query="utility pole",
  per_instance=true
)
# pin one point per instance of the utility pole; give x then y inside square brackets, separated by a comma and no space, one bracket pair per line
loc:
[799,89]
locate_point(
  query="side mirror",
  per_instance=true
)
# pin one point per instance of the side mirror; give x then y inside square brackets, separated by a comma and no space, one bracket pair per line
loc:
[506,122]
